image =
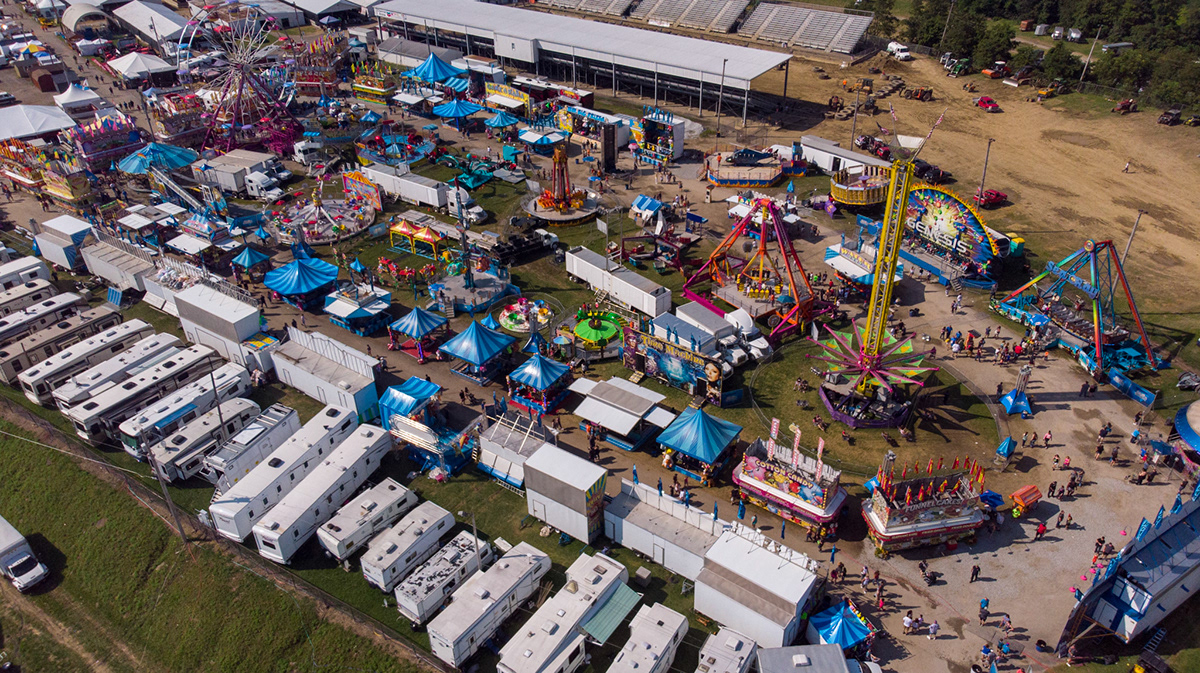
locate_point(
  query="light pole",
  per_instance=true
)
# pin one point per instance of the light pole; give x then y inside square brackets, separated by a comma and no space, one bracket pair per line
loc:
[720,97]
[982,178]
[1129,243]
[1089,58]
[474,532]
[947,26]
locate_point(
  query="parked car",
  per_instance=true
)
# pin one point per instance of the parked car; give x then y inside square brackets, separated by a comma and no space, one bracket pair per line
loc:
[1170,117]
[929,173]
[7,99]
[990,198]
[987,103]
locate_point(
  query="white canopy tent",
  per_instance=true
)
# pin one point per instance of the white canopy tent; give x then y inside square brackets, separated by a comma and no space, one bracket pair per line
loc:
[29,121]
[134,65]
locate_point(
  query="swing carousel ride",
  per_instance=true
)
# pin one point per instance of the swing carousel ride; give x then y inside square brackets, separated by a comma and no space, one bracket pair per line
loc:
[246,102]
[562,204]
[867,365]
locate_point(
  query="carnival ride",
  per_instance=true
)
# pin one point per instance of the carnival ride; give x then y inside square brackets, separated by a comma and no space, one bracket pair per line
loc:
[247,101]
[949,227]
[524,313]
[562,204]
[317,219]
[597,328]
[770,283]
[1100,340]
[871,359]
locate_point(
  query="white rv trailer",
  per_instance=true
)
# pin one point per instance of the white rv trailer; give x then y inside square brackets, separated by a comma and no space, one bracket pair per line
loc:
[97,418]
[245,450]
[428,587]
[360,519]
[20,296]
[181,454]
[39,381]
[21,271]
[480,607]
[165,416]
[20,324]
[293,521]
[103,375]
[234,512]
[33,349]
[622,285]
[395,553]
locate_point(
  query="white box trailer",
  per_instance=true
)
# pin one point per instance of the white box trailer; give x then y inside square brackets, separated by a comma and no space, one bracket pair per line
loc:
[831,157]
[480,607]
[229,171]
[360,519]
[293,521]
[428,587]
[246,449]
[622,285]
[396,552]
[99,377]
[26,294]
[407,186]
[696,314]
[234,512]
[181,455]
[23,270]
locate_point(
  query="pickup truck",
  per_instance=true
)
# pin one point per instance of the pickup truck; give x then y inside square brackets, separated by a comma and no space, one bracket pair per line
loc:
[987,104]
[990,198]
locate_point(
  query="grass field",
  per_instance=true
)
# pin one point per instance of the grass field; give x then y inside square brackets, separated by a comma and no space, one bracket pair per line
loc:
[133,595]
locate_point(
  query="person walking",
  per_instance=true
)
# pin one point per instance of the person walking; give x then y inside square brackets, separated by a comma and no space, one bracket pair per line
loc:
[1126,169]
[908,622]
[974,573]
[934,627]
[1061,515]
[1041,531]
[1046,439]
[1024,439]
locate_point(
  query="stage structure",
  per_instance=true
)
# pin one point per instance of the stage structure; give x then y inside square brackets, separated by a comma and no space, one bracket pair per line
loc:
[770,284]
[870,358]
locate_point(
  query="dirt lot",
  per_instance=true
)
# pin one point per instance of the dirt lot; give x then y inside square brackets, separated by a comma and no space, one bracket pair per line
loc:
[1059,161]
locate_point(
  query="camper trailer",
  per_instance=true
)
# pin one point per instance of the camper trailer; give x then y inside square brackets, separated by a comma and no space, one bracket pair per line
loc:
[166,415]
[396,552]
[289,524]
[142,355]
[249,447]
[180,455]
[25,294]
[39,381]
[360,519]
[17,357]
[234,512]
[20,324]
[428,587]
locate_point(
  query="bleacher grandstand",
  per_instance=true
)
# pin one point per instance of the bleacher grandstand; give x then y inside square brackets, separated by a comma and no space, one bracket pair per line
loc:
[711,15]
[609,7]
[804,27]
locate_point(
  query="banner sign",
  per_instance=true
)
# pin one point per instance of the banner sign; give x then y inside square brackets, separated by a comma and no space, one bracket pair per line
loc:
[358,186]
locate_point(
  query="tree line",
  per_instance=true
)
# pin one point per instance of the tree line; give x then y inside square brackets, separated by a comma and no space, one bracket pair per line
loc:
[1163,65]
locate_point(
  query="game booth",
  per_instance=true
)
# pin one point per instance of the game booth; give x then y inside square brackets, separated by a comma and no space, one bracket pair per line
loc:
[508,99]
[481,351]
[425,331]
[251,262]
[360,308]
[788,483]
[697,445]
[373,82]
[539,384]
[620,411]
[657,136]
[925,510]
[304,283]
[413,413]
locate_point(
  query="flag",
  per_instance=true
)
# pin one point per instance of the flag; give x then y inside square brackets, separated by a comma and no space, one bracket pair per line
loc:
[1143,528]
[1178,504]
[1159,517]
[955,465]
[930,466]
[904,473]
[892,111]
[908,496]
[935,125]
[941,462]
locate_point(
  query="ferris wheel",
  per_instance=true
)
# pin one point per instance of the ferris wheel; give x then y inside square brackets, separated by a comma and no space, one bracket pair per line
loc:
[246,101]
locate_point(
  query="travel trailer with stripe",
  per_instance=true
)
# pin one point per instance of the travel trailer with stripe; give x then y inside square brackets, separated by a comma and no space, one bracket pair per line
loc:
[374,510]
[392,555]
[40,381]
[181,455]
[35,348]
[165,416]
[101,376]
[20,324]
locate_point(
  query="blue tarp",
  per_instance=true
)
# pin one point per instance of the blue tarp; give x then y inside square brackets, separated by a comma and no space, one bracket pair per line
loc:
[169,157]
[417,323]
[1015,402]
[434,69]
[697,434]
[301,277]
[539,372]
[646,204]
[357,266]
[249,257]
[501,120]
[262,233]
[456,108]
[477,344]
[405,398]
[489,322]
[991,499]
[303,250]
[839,626]
[1005,450]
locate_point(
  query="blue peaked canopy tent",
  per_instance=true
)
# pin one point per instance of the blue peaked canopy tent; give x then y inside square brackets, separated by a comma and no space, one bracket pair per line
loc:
[303,283]
[700,437]
[536,344]
[303,250]
[478,347]
[501,120]
[539,383]
[489,322]
[838,625]
[357,266]
[458,84]
[418,323]
[249,257]
[158,155]
[406,399]
[434,70]
[262,233]
[456,108]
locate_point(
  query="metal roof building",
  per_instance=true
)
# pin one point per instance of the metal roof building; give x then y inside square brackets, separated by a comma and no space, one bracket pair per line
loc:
[681,68]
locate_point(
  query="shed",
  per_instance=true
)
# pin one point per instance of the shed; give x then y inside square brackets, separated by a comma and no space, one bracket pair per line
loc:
[330,371]
[566,492]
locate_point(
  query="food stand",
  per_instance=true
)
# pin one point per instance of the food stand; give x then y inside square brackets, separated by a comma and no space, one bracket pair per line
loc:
[658,136]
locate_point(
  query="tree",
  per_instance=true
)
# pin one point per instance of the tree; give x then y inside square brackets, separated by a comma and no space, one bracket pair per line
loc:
[995,44]
[926,22]
[885,23]
[962,33]
[1131,69]
[1025,55]
[1060,61]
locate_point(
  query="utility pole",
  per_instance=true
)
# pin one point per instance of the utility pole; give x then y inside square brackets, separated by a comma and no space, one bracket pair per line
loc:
[854,124]
[167,497]
[1089,58]
[986,155]
[1129,243]
[947,26]
[720,97]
